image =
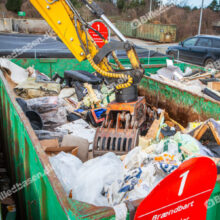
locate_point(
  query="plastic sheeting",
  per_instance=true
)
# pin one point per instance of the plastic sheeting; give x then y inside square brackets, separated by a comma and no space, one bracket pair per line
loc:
[86,181]
[48,47]
[51,109]
[27,46]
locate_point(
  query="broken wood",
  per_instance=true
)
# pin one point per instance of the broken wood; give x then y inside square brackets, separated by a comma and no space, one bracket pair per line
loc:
[214,132]
[56,150]
[214,85]
[154,129]
[203,128]
[197,76]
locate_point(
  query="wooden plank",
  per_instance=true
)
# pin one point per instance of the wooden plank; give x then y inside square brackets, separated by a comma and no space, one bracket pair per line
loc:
[52,147]
[199,133]
[49,143]
[153,131]
[214,132]
[56,150]
[214,86]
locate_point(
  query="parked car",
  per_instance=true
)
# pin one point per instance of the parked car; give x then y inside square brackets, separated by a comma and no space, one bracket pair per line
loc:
[202,50]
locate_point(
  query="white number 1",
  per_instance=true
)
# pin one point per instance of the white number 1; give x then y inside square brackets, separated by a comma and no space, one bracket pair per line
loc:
[183,176]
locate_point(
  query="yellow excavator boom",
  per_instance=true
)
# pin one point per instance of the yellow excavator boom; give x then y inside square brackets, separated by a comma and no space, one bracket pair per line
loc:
[65,20]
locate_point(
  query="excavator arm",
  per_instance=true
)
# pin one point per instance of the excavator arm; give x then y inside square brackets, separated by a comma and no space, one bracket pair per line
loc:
[72,29]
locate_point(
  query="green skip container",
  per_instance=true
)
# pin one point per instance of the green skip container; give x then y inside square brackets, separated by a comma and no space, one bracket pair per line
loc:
[45,198]
[154,32]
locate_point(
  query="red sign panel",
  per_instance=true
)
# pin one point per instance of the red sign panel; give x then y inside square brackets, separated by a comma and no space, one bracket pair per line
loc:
[182,195]
[103,30]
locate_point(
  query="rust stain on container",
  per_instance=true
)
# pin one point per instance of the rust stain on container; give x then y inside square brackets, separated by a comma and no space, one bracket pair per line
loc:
[182,114]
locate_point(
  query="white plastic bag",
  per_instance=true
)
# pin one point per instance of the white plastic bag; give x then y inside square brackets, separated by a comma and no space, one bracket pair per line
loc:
[134,158]
[94,175]
[18,74]
[87,180]
[66,166]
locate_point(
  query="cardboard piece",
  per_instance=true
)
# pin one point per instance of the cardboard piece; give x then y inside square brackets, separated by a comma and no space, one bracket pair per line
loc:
[81,143]
[52,147]
[49,143]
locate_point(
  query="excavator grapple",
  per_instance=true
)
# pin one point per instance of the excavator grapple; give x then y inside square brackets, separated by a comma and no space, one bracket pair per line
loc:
[120,130]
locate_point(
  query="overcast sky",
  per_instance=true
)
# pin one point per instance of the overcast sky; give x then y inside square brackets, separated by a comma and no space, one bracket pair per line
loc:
[196,3]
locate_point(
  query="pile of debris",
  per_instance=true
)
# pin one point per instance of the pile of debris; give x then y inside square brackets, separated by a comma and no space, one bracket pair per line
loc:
[110,180]
[203,82]
[65,112]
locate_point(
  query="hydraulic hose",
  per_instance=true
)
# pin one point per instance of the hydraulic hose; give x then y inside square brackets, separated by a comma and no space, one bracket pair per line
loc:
[117,60]
[104,73]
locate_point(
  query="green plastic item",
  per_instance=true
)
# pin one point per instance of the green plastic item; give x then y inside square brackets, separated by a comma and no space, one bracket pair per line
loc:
[22,13]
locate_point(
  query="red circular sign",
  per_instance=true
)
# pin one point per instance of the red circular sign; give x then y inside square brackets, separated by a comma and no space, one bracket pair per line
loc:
[183,194]
[101,27]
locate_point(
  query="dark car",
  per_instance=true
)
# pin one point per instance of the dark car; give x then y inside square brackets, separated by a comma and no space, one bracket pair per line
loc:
[202,50]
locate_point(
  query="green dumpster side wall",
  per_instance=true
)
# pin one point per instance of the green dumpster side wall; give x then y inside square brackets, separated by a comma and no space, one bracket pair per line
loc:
[39,198]
[214,204]
[145,61]
[147,31]
[202,107]
[125,28]
[48,67]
